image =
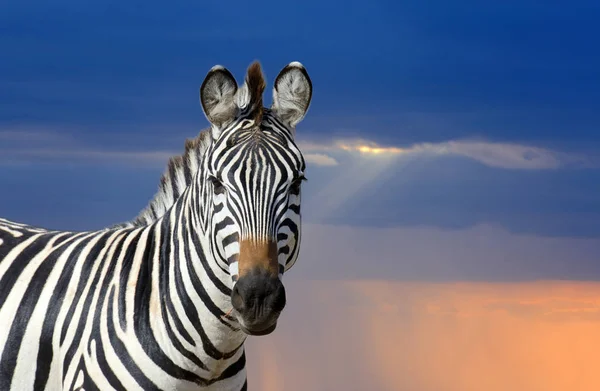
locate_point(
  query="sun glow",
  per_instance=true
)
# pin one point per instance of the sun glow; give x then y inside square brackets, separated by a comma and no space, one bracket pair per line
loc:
[371,149]
[364,170]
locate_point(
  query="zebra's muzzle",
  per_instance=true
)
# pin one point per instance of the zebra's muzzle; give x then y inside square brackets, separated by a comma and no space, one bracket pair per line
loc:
[258,299]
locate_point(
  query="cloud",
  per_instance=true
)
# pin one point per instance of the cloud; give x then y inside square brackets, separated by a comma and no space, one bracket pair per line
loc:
[47,144]
[386,335]
[91,155]
[21,146]
[155,159]
[510,156]
[320,159]
[492,154]
[87,155]
[28,145]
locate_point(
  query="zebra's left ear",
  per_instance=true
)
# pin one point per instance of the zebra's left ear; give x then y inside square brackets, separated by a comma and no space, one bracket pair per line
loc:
[217,95]
[292,94]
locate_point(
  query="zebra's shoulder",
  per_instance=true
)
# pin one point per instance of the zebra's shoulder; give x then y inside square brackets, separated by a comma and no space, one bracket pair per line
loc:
[176,177]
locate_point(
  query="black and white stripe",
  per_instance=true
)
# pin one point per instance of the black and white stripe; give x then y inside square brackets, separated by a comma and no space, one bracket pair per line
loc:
[147,304]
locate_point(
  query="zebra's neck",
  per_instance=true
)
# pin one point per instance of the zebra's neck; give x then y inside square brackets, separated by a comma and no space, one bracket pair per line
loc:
[196,271]
[191,286]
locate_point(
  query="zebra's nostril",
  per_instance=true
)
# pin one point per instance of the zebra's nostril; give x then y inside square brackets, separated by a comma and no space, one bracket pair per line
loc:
[237,301]
[278,299]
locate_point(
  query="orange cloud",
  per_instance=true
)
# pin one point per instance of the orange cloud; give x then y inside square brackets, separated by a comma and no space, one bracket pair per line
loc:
[409,336]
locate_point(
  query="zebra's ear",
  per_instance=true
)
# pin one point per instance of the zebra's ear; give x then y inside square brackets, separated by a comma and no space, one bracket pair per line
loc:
[217,95]
[292,94]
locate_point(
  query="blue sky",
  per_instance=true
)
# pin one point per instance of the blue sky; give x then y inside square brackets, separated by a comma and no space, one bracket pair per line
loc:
[485,113]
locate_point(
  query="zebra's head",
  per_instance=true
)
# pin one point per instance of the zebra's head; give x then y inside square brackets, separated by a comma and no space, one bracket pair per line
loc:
[253,171]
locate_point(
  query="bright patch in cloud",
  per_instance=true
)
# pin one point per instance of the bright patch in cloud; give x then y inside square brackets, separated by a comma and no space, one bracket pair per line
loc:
[371,148]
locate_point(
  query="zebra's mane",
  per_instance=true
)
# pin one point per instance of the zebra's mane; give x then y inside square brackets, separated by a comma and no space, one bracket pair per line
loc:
[176,177]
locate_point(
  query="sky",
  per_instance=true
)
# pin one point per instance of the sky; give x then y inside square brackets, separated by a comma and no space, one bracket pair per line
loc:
[447,143]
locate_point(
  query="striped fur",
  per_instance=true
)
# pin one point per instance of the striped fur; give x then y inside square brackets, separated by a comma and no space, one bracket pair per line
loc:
[147,304]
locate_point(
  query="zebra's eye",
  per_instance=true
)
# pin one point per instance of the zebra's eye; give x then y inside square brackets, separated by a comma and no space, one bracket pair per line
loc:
[218,186]
[297,182]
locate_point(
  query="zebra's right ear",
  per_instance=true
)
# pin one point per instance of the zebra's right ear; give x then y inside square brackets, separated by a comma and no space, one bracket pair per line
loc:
[292,93]
[217,95]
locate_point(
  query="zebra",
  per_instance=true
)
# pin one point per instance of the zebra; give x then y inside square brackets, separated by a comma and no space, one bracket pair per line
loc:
[167,300]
